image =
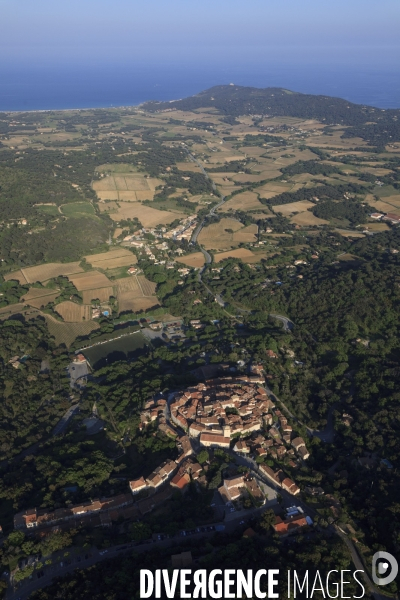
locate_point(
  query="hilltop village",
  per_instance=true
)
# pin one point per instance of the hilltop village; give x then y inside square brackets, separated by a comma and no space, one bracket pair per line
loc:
[230,414]
[233,414]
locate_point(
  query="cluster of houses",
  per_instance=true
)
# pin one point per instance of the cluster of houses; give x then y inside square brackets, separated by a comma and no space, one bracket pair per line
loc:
[392,217]
[216,411]
[280,478]
[159,485]
[275,446]
[155,250]
[295,519]
[210,414]
[40,518]
[184,231]
[177,474]
[17,361]
[235,489]
[220,408]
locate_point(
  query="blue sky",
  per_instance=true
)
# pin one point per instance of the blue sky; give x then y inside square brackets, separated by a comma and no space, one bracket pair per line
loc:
[358,31]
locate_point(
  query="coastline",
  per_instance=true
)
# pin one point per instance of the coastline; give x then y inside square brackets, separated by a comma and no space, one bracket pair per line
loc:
[47,110]
[47,90]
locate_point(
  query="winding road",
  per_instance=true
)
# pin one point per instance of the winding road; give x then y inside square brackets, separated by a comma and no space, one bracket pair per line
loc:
[200,226]
[325,435]
[378,594]
[287,323]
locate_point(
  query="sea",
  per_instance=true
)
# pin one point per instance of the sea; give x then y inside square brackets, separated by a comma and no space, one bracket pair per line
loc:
[46,86]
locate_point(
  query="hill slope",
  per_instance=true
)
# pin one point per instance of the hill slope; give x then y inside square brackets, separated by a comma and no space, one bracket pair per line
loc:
[375,125]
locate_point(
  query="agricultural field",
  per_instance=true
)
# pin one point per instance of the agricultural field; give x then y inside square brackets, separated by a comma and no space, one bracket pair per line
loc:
[292,207]
[148,287]
[101,294]
[269,190]
[117,232]
[220,159]
[114,263]
[90,280]
[14,309]
[219,235]
[66,333]
[255,178]
[389,203]
[307,218]
[347,257]
[246,234]
[266,213]
[39,297]
[384,207]
[117,168]
[225,234]
[335,141]
[73,313]
[385,191]
[128,304]
[244,201]
[257,257]
[375,226]
[393,199]
[129,284]
[188,166]
[268,172]
[148,216]
[227,188]
[16,276]
[252,151]
[120,257]
[222,178]
[285,157]
[195,260]
[75,209]
[109,207]
[127,184]
[44,272]
[135,293]
[349,233]
[241,253]
[48,209]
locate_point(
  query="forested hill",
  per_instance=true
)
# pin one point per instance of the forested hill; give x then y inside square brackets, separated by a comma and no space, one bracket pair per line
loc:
[376,125]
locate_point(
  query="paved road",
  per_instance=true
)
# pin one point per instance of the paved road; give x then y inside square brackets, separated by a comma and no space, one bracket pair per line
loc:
[289,500]
[61,425]
[94,556]
[325,435]
[231,522]
[287,323]
[212,210]
[378,594]
[27,452]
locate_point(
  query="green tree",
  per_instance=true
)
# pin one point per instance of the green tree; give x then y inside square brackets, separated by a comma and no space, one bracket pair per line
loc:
[267,520]
[203,456]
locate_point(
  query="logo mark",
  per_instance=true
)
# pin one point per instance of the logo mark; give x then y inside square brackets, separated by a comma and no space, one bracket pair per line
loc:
[380,568]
